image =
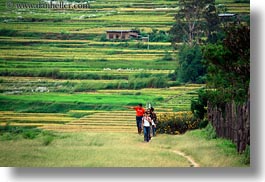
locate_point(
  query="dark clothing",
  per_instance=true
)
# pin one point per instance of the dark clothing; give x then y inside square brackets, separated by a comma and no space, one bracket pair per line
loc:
[153,117]
[154,131]
[139,123]
[139,115]
[146,133]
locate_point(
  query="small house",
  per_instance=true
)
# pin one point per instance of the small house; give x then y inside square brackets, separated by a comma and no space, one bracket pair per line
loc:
[122,34]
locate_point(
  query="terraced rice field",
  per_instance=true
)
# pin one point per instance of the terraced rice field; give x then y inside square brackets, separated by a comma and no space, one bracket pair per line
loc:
[65,54]
[97,121]
[115,121]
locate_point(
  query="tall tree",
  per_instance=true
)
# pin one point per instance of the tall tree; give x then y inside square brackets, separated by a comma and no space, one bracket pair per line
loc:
[190,23]
[212,23]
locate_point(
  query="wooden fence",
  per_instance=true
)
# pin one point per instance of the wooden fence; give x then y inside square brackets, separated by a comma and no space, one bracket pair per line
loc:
[232,122]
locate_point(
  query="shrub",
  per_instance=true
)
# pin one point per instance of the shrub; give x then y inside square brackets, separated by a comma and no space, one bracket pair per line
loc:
[7,136]
[210,132]
[203,123]
[30,133]
[103,38]
[198,106]
[157,35]
[47,140]
[8,132]
[176,123]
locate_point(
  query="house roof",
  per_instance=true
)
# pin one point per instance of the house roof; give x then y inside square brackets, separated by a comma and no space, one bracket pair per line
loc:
[226,15]
[121,31]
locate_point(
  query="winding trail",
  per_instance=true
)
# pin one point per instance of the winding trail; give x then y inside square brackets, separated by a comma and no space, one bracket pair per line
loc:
[190,159]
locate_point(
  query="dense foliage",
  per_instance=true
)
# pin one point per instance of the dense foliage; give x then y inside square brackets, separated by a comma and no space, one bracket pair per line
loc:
[194,21]
[228,65]
[191,68]
[198,106]
[176,123]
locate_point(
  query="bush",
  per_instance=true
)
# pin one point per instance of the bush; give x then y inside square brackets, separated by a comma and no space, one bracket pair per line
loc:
[8,132]
[7,136]
[103,38]
[210,132]
[176,123]
[203,123]
[30,133]
[47,140]
[158,36]
[198,106]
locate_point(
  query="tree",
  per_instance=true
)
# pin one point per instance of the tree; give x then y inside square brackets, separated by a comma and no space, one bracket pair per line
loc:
[191,68]
[212,23]
[195,20]
[190,24]
[229,64]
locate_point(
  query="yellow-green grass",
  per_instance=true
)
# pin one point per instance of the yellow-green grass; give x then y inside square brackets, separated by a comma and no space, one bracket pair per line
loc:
[75,28]
[116,121]
[92,42]
[14,79]
[164,92]
[98,111]
[88,150]
[89,128]
[22,124]
[134,9]
[96,149]
[171,99]
[68,53]
[135,18]
[9,116]
[207,153]
[86,48]
[123,71]
[102,30]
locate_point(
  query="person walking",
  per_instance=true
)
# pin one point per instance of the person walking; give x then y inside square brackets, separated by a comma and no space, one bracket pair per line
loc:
[154,120]
[146,123]
[139,115]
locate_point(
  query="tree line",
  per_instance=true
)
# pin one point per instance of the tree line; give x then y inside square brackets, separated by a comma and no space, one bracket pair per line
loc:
[215,50]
